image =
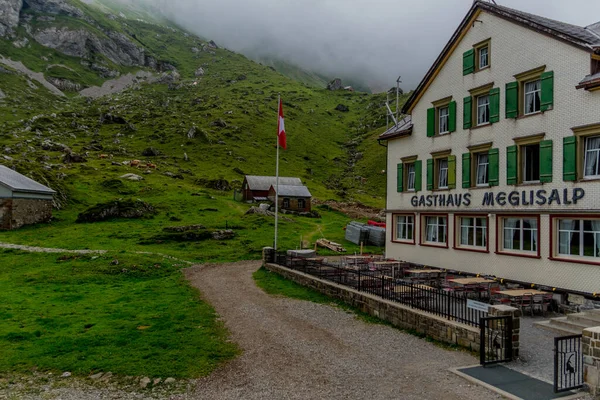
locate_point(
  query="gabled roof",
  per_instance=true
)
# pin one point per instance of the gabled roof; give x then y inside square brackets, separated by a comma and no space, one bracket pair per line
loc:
[403,128]
[587,38]
[292,190]
[264,182]
[20,183]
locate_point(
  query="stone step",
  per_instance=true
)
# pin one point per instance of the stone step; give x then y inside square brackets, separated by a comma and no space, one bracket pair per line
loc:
[563,330]
[588,318]
[568,323]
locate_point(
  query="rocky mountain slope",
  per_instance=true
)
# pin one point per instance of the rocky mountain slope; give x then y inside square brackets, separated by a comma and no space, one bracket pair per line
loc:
[80,82]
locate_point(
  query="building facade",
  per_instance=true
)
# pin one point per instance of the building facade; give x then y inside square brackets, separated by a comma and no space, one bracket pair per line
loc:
[496,168]
[256,188]
[23,201]
[291,197]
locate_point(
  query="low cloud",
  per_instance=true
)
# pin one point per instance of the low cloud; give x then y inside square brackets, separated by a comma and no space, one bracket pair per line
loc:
[374,41]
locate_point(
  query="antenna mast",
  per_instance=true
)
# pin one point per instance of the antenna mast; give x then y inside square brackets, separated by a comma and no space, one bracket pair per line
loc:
[390,114]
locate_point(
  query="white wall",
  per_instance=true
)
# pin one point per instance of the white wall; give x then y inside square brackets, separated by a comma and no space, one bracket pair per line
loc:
[514,49]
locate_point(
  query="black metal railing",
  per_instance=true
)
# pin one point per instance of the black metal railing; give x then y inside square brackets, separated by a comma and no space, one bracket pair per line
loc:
[568,363]
[446,304]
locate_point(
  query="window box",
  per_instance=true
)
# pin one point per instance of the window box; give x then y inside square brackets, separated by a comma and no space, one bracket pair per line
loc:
[471,232]
[409,175]
[482,107]
[518,235]
[477,58]
[531,93]
[441,171]
[434,230]
[581,154]
[480,167]
[403,228]
[529,161]
[441,118]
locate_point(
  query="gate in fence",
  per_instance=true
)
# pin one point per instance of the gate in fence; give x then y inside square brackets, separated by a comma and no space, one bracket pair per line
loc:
[495,340]
[568,363]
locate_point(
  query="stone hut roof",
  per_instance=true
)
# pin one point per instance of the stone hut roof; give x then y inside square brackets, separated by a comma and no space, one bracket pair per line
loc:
[20,183]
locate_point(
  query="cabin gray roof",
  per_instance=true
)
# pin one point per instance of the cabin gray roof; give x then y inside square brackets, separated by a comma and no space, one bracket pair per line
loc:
[264,182]
[293,190]
[20,183]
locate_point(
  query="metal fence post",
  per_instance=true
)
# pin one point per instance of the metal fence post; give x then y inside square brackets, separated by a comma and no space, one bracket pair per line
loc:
[359,288]
[382,288]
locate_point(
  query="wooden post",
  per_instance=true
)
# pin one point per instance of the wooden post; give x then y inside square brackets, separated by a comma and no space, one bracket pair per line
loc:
[361,248]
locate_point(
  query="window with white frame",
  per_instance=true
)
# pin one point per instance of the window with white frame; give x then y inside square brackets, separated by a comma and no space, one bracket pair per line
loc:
[482,174]
[473,231]
[579,237]
[444,115]
[410,176]
[436,229]
[405,227]
[532,99]
[286,203]
[442,165]
[591,168]
[483,110]
[484,57]
[520,234]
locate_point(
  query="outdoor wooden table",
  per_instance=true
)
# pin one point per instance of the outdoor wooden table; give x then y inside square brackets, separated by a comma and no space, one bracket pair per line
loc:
[423,271]
[520,292]
[406,289]
[470,281]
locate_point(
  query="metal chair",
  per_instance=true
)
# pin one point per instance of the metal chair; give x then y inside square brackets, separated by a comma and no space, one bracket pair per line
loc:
[526,303]
[537,303]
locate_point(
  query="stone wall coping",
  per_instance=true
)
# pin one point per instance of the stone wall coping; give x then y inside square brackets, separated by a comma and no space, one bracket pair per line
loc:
[503,308]
[382,300]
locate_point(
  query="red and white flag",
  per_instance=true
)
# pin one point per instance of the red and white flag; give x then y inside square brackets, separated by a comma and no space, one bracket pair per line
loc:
[281,127]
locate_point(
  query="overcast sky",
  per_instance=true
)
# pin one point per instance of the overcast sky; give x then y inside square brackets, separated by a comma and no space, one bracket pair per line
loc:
[377,40]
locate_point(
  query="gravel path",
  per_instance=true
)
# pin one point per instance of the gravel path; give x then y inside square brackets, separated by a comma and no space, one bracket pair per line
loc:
[298,350]
[292,350]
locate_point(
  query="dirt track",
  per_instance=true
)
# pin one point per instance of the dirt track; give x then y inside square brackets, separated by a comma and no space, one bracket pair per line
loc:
[300,350]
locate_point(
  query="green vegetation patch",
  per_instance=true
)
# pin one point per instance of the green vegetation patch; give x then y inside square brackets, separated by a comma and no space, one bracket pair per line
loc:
[125,313]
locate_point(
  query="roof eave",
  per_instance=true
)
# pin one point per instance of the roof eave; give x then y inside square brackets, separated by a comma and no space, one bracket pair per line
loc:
[395,135]
[589,85]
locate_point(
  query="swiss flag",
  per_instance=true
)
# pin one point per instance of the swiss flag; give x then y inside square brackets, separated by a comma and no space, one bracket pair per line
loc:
[281,127]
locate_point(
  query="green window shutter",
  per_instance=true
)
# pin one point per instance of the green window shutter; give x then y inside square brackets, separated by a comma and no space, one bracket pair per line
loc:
[570,158]
[466,170]
[452,116]
[399,178]
[467,110]
[511,165]
[546,161]
[451,172]
[494,167]
[512,100]
[430,122]
[418,174]
[430,174]
[494,105]
[547,90]
[469,62]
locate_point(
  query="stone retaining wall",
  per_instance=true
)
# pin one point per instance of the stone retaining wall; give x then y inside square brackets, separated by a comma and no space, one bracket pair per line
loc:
[398,315]
[590,343]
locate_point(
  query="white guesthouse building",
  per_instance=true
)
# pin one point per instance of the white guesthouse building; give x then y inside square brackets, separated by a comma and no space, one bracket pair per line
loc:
[496,168]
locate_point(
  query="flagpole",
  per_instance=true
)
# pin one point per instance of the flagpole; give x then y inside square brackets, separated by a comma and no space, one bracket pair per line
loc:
[277,178]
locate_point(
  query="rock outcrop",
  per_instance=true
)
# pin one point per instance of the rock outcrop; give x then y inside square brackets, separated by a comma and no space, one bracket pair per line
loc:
[9,16]
[54,7]
[83,44]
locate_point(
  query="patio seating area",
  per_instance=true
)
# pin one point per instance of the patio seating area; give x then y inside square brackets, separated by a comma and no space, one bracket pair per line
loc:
[429,288]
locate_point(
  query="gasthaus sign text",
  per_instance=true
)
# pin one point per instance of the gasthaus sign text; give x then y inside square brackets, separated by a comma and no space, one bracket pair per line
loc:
[539,197]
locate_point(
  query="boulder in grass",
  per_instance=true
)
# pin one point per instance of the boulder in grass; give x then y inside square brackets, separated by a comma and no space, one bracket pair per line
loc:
[117,209]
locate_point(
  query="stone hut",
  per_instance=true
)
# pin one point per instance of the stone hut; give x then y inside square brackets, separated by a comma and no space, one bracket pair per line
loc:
[256,188]
[23,201]
[292,197]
